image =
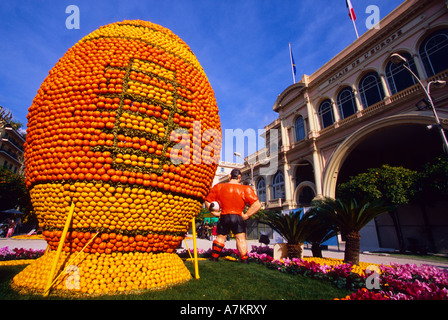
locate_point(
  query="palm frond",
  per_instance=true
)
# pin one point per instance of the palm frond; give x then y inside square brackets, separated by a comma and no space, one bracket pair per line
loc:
[322,230]
[348,215]
[291,226]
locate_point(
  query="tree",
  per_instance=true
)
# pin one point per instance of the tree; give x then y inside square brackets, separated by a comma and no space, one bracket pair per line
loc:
[6,117]
[261,214]
[202,213]
[13,193]
[433,180]
[432,186]
[322,231]
[349,217]
[394,185]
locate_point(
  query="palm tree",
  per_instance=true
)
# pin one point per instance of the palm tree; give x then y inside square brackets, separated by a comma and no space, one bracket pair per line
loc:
[349,217]
[292,227]
[321,232]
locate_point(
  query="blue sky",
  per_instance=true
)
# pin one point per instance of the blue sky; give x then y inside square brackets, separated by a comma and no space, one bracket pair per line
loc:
[242,45]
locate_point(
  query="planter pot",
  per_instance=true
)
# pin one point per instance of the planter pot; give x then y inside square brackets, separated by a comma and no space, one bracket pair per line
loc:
[280,251]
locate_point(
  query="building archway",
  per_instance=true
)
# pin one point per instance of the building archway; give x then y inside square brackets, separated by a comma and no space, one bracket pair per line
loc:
[304,171]
[400,140]
[305,188]
[305,193]
[389,140]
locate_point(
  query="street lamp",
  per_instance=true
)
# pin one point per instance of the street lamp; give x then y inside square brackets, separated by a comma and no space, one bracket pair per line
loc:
[400,60]
[251,165]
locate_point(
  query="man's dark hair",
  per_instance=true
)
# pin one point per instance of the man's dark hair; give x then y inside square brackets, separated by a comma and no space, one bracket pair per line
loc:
[235,173]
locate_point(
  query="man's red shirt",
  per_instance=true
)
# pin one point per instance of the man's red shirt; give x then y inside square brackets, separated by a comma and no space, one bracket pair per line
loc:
[232,197]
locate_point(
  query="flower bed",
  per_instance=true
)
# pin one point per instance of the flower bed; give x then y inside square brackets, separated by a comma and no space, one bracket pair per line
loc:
[340,274]
[396,282]
[411,282]
[18,255]
[407,282]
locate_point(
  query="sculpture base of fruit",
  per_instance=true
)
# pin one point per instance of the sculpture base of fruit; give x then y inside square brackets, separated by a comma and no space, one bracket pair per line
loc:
[102,274]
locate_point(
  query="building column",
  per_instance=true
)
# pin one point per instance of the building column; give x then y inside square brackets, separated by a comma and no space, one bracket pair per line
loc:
[385,87]
[289,191]
[335,111]
[283,134]
[357,98]
[294,202]
[311,117]
[268,181]
[317,171]
[420,68]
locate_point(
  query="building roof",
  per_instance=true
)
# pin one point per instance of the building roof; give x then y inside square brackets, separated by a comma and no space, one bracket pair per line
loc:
[342,63]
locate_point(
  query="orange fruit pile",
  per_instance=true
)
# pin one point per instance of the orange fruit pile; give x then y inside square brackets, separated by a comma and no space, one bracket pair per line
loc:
[126,127]
[99,274]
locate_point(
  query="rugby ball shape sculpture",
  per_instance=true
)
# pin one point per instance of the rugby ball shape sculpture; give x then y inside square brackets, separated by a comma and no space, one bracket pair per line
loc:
[124,131]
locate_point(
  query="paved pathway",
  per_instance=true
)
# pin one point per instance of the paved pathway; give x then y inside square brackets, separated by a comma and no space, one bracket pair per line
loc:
[23,243]
[204,244]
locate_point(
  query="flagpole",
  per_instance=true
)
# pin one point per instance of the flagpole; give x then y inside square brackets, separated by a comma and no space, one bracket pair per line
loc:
[292,64]
[352,15]
[356,30]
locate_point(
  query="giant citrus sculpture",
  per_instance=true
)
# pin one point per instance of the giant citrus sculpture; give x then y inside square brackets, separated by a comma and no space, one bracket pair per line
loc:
[124,131]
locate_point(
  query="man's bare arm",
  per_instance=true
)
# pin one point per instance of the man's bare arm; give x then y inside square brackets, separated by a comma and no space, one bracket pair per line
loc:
[253,209]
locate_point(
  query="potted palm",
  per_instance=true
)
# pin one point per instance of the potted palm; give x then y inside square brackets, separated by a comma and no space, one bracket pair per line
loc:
[292,227]
[322,231]
[349,217]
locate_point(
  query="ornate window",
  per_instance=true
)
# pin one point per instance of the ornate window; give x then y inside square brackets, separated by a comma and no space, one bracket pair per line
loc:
[300,128]
[398,77]
[261,190]
[346,102]
[434,51]
[278,186]
[326,113]
[370,89]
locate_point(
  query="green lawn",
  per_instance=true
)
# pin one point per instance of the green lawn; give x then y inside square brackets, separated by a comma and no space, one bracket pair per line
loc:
[223,280]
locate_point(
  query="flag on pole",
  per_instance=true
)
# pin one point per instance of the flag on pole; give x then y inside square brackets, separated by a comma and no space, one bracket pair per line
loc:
[351,11]
[293,64]
[352,15]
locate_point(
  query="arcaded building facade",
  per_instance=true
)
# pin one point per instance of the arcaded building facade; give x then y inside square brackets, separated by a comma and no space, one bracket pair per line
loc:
[359,111]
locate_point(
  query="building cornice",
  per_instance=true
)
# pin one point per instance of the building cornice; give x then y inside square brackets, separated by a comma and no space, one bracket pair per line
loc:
[298,88]
[391,24]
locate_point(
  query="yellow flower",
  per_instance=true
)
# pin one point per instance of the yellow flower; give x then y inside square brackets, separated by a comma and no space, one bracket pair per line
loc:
[359,269]
[230,258]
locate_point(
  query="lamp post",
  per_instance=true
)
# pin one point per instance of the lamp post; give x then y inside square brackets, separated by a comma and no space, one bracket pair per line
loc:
[400,60]
[251,165]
